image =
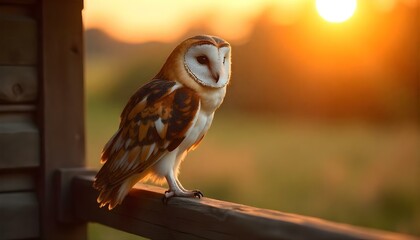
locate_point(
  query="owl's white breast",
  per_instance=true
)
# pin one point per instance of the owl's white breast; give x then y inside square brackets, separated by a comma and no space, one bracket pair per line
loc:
[200,128]
[210,100]
[202,122]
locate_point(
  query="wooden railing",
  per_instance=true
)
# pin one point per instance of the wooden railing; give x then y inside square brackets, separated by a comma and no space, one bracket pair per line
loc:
[143,213]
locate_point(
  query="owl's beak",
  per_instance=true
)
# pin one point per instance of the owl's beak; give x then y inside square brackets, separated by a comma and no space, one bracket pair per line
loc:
[216,77]
[215,74]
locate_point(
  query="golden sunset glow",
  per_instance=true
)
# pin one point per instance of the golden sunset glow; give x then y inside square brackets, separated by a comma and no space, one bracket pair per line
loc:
[336,11]
[163,20]
[320,89]
[140,21]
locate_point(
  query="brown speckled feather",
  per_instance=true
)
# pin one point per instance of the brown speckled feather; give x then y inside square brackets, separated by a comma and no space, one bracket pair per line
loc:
[154,121]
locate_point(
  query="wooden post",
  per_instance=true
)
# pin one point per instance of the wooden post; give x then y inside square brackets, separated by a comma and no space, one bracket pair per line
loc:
[61,108]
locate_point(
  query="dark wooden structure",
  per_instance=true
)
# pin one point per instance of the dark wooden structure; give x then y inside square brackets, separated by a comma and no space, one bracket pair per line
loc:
[41,113]
[45,192]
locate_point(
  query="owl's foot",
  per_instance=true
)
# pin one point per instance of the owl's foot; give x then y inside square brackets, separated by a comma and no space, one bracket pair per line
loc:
[177,190]
[187,194]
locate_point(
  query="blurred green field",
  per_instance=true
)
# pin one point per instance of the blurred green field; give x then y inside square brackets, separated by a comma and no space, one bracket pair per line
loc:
[346,172]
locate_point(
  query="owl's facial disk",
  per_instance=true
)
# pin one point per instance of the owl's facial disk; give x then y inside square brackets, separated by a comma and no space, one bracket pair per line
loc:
[208,65]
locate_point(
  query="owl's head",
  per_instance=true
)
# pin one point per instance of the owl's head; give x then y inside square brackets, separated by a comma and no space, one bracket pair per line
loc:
[202,59]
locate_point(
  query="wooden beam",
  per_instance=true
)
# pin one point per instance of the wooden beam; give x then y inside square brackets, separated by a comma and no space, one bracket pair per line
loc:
[19,141]
[61,108]
[143,213]
[17,181]
[18,41]
[64,178]
[19,215]
[17,108]
[18,84]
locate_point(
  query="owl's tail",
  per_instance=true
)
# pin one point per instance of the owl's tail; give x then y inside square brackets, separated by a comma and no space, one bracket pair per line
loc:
[115,194]
[110,193]
[109,196]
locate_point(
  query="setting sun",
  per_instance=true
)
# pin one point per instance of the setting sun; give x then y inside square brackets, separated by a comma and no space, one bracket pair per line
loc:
[336,10]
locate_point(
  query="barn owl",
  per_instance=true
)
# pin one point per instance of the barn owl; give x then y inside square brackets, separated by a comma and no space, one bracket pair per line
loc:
[165,119]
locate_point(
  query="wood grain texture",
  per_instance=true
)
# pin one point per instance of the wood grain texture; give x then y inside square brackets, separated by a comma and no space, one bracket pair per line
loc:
[61,109]
[18,40]
[19,141]
[18,84]
[143,213]
[19,215]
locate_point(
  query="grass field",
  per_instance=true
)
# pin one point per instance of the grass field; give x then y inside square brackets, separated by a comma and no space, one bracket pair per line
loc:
[346,172]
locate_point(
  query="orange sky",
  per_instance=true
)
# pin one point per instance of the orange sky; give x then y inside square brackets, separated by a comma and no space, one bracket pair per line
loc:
[167,20]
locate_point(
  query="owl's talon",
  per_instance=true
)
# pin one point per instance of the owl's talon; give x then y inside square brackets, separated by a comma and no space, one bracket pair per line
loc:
[198,193]
[168,194]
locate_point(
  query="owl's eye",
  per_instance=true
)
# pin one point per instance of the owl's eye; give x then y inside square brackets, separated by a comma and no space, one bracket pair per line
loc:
[202,60]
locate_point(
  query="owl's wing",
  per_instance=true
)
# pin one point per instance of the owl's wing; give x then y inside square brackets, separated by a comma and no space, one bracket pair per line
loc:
[155,121]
